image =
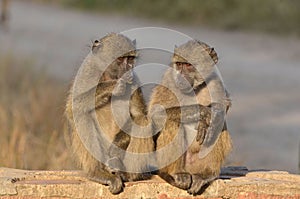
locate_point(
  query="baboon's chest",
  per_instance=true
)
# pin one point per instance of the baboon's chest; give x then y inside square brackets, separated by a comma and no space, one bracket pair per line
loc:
[203,97]
[106,122]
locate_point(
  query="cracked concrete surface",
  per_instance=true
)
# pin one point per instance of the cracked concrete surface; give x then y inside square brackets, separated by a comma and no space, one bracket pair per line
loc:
[261,72]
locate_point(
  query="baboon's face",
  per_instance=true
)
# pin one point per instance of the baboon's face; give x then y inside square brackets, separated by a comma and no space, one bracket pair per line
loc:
[188,58]
[124,64]
[185,70]
[109,49]
[185,73]
[121,65]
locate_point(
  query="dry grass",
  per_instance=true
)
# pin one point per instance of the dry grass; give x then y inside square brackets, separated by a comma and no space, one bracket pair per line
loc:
[31,109]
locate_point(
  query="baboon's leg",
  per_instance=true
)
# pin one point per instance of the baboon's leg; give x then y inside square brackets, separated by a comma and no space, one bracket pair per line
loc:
[117,152]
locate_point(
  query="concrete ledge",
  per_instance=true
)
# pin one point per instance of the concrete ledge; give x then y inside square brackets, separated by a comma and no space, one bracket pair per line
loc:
[235,182]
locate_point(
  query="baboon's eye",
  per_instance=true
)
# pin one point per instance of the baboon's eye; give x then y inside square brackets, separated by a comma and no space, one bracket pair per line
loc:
[120,59]
[178,63]
[189,67]
[184,64]
[130,58]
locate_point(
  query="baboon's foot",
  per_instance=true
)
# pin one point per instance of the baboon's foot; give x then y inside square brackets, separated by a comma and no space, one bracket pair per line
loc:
[114,182]
[182,180]
[199,184]
[116,185]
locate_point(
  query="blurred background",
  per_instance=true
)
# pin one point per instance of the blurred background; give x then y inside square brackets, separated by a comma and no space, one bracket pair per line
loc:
[43,42]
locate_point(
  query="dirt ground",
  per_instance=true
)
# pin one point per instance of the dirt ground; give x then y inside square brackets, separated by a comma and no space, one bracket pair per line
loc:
[261,72]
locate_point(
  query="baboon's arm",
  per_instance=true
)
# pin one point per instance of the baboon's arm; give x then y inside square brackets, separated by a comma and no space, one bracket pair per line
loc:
[96,97]
[216,125]
[184,114]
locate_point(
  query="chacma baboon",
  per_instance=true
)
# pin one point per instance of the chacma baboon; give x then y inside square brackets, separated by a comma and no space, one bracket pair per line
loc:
[97,141]
[198,149]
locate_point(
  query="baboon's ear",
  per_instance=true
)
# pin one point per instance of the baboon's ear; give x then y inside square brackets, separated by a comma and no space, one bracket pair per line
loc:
[96,45]
[134,42]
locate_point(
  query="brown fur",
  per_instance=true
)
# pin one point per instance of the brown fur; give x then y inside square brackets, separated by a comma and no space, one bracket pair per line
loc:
[189,171]
[105,52]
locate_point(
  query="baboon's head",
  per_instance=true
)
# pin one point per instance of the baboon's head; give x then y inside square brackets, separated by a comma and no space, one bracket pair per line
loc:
[117,50]
[193,61]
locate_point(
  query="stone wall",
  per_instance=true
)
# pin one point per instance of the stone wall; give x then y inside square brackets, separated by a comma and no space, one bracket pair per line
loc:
[234,182]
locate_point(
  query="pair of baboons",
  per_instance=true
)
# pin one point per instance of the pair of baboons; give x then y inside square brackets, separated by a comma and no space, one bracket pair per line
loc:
[188,148]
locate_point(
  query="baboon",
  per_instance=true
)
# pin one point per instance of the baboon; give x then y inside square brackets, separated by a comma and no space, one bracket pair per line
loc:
[199,146]
[103,76]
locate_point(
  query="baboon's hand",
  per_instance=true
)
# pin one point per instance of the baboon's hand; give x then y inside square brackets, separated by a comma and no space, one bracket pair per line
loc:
[128,77]
[214,130]
[101,100]
[202,129]
[120,88]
